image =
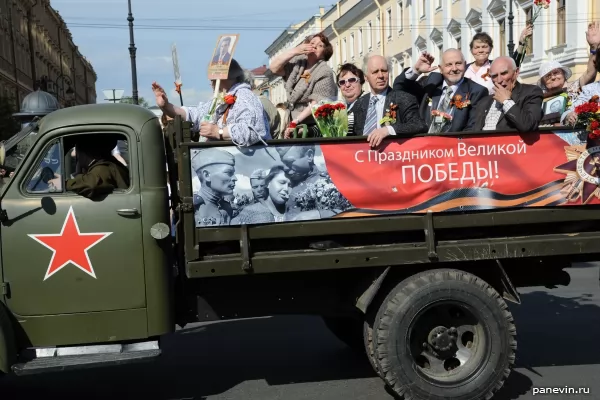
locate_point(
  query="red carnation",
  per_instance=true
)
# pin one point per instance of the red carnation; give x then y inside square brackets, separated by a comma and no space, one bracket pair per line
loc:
[230,99]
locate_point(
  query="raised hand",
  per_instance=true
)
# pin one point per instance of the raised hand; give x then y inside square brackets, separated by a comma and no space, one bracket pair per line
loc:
[160,95]
[528,31]
[425,63]
[593,34]
[305,48]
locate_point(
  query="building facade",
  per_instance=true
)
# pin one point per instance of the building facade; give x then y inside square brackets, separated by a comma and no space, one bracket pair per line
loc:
[37,51]
[402,29]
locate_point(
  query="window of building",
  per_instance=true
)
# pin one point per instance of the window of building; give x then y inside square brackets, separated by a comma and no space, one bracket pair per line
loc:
[400,16]
[360,42]
[423,8]
[561,22]
[369,35]
[378,29]
[388,22]
[502,38]
[438,5]
[352,46]
[455,30]
[344,54]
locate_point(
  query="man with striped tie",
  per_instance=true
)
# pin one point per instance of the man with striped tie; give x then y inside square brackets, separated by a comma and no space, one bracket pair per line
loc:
[371,108]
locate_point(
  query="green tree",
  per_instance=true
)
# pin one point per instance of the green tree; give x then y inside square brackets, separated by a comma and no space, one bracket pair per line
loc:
[129,100]
[8,125]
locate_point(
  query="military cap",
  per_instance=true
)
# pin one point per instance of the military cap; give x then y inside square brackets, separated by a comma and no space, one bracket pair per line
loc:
[211,156]
[258,174]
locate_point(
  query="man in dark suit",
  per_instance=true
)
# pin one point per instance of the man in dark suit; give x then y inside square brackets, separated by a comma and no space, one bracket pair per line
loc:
[400,107]
[448,91]
[513,106]
[222,55]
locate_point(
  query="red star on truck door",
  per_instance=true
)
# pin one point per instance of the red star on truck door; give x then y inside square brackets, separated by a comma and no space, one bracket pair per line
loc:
[70,246]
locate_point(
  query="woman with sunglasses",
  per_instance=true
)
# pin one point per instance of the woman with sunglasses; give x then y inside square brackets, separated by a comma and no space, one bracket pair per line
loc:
[350,79]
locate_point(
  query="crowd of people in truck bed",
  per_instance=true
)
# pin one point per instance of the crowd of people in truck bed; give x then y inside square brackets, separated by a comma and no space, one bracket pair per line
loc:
[478,96]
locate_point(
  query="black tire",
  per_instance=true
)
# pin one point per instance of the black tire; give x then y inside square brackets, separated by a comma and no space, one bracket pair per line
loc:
[370,346]
[421,357]
[348,330]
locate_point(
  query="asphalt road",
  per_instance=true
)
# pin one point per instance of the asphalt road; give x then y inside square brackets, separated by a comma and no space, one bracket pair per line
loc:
[294,358]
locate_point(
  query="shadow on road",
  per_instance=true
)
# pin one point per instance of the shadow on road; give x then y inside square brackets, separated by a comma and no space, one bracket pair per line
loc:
[554,330]
[211,359]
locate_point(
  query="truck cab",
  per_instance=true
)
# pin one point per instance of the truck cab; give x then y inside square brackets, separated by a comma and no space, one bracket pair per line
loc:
[80,270]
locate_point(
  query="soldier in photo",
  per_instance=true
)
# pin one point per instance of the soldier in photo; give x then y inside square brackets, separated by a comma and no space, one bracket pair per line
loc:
[216,171]
[258,185]
[299,166]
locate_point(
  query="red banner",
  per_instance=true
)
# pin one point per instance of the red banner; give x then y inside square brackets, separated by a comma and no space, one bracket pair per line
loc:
[411,175]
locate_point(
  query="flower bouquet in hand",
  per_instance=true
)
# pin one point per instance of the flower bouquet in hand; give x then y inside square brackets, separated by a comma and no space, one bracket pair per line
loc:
[588,116]
[215,102]
[331,118]
[538,5]
[439,120]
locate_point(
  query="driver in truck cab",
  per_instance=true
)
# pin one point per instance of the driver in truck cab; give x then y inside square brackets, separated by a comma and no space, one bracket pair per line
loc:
[97,172]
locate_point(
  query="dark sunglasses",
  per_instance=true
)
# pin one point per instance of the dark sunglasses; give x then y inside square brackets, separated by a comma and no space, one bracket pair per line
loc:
[350,80]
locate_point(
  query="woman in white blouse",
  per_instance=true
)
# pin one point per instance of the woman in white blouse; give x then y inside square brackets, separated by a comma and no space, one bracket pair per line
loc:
[481,47]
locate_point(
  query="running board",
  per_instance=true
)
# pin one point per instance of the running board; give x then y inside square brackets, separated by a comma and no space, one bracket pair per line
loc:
[53,359]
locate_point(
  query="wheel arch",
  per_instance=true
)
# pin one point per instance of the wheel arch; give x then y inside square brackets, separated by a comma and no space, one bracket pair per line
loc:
[491,271]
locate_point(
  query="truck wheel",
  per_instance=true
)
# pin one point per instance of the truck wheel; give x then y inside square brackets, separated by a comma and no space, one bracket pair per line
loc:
[444,334]
[370,347]
[348,330]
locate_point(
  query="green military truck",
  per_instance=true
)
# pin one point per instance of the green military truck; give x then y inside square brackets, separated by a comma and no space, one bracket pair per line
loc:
[412,269]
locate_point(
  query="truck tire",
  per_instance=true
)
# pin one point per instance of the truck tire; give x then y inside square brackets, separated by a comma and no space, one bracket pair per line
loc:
[442,335]
[348,330]
[370,347]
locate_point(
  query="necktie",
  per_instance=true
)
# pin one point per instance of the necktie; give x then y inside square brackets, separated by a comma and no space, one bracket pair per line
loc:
[371,121]
[446,100]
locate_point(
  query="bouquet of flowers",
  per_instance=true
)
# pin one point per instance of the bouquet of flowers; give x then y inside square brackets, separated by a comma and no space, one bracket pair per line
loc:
[322,195]
[331,118]
[588,115]
[216,102]
[539,5]
[439,119]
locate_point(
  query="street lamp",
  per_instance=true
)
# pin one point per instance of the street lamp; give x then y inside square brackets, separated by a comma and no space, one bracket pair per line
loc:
[511,43]
[134,91]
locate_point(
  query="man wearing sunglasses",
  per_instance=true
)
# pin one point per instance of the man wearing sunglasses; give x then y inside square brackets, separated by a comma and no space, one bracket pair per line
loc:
[449,91]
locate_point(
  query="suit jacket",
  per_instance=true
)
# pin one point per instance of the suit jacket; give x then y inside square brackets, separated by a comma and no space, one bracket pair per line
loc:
[524,116]
[226,58]
[408,120]
[431,88]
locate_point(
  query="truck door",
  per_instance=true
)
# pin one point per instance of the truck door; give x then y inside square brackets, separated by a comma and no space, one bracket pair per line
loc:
[63,253]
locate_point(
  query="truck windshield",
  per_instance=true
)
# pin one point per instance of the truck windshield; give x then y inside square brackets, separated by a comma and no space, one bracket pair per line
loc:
[15,148]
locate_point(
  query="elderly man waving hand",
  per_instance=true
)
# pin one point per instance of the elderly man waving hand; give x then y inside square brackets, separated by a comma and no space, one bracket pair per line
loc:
[243,122]
[448,92]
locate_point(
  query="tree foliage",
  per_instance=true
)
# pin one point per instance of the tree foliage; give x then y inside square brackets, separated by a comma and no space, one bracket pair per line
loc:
[129,100]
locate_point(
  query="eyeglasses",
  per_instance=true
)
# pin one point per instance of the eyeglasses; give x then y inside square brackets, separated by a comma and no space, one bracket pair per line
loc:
[349,80]
[554,72]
